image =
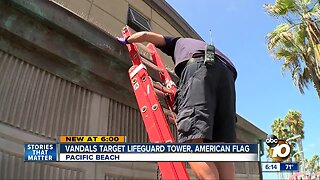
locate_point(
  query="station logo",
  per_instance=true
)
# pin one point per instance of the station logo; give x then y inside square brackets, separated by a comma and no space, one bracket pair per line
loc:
[279,149]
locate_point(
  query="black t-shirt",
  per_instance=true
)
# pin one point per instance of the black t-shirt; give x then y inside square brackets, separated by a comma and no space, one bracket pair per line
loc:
[182,49]
[169,47]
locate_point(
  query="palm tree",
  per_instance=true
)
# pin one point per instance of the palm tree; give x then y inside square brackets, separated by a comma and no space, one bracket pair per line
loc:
[293,120]
[317,169]
[279,129]
[313,163]
[297,40]
[290,126]
[297,158]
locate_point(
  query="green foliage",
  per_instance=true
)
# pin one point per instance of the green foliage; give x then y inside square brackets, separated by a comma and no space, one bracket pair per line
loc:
[291,125]
[307,2]
[277,35]
[281,7]
[297,158]
[280,129]
[295,123]
[291,43]
[313,164]
[314,11]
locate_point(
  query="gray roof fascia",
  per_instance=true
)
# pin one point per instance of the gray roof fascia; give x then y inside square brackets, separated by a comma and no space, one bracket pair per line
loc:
[173,18]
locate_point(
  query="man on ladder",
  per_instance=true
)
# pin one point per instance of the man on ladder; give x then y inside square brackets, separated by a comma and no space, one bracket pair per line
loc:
[205,100]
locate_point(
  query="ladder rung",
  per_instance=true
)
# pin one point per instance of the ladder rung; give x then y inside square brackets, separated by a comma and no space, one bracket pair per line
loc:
[159,93]
[171,120]
[160,87]
[169,114]
[143,47]
[145,57]
[150,64]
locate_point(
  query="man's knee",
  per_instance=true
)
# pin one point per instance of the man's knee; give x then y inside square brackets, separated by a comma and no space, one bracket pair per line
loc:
[204,170]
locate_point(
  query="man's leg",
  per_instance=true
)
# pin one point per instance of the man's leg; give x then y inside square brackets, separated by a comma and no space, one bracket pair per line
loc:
[203,170]
[226,170]
[225,117]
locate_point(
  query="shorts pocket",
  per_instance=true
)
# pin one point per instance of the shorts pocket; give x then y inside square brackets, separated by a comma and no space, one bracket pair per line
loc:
[200,71]
[185,120]
[177,100]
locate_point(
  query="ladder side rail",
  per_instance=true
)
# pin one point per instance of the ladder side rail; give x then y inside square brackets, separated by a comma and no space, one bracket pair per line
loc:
[150,64]
[144,48]
[154,119]
[133,50]
[171,87]
[150,107]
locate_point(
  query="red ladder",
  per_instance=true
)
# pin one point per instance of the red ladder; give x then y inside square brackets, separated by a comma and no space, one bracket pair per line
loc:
[151,110]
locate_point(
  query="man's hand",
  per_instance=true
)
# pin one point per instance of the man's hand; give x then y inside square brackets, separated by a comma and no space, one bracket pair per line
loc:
[122,40]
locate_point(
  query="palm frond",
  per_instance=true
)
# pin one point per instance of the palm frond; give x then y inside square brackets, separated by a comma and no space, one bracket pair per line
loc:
[291,43]
[281,7]
[294,120]
[315,10]
[301,34]
[276,35]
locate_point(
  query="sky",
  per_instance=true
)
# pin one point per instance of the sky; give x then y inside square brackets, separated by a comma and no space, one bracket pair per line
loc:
[264,92]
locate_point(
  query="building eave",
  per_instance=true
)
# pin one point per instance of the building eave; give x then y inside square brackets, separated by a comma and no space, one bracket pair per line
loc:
[173,18]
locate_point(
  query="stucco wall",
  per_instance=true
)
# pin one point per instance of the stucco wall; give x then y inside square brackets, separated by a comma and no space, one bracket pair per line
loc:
[111,16]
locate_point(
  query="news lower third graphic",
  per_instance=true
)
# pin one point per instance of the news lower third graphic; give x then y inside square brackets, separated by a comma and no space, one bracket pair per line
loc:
[93,139]
[40,152]
[277,167]
[115,148]
[158,152]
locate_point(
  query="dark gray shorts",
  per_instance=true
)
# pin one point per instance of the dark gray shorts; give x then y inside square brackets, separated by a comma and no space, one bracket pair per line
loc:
[205,103]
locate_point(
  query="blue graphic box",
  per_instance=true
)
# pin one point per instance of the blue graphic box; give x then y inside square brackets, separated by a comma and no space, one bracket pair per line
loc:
[40,152]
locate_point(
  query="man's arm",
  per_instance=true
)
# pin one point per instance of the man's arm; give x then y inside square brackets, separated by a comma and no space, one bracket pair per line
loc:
[165,43]
[145,36]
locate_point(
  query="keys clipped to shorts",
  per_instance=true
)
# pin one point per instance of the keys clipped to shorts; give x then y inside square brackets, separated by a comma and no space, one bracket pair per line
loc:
[209,55]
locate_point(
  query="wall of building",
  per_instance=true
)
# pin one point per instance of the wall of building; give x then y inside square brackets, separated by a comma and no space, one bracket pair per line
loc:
[111,16]
[38,106]
[61,75]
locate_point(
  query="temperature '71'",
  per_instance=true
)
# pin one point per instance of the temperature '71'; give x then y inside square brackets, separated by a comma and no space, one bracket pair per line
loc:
[289,166]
